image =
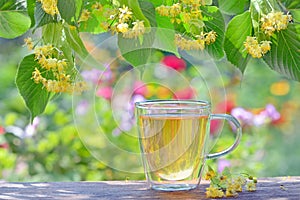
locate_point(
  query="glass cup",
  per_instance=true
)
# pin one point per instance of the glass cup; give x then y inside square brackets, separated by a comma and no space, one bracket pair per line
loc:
[173,137]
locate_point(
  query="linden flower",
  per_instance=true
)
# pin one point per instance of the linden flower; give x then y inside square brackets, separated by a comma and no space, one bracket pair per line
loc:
[274,21]
[124,14]
[265,46]
[251,186]
[255,49]
[122,27]
[37,76]
[175,10]
[85,15]
[97,6]
[213,192]
[49,6]
[231,190]
[29,43]
[209,175]
[138,28]
[163,10]
[210,37]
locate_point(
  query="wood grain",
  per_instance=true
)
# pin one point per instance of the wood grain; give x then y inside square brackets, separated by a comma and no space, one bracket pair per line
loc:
[267,188]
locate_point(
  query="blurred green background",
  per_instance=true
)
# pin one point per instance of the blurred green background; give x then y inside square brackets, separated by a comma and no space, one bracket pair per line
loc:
[50,149]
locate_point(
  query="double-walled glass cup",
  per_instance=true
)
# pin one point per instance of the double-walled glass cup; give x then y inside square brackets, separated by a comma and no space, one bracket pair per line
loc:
[173,137]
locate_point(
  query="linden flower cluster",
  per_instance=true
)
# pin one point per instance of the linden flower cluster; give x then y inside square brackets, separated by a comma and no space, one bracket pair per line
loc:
[55,68]
[274,21]
[197,44]
[49,6]
[255,49]
[225,185]
[122,21]
[184,11]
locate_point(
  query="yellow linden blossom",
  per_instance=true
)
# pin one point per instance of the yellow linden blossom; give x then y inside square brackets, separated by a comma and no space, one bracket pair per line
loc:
[274,21]
[240,180]
[210,37]
[122,27]
[49,6]
[85,15]
[97,6]
[213,192]
[265,46]
[43,51]
[124,14]
[251,186]
[137,30]
[29,43]
[255,49]
[189,10]
[56,68]
[198,43]
[231,191]
[210,174]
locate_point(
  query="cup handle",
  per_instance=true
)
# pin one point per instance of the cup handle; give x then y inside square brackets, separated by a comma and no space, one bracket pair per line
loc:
[238,127]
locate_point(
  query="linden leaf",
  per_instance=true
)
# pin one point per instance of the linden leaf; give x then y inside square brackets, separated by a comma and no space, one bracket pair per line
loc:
[41,18]
[237,31]
[284,56]
[13,23]
[232,6]
[217,24]
[67,9]
[34,95]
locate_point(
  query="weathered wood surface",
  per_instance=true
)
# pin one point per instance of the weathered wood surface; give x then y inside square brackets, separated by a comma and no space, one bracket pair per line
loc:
[267,188]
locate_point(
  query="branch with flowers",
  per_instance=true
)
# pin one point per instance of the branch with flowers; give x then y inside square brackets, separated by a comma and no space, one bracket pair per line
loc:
[238,30]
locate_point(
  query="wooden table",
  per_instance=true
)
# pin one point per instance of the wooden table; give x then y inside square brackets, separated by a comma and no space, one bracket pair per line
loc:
[267,188]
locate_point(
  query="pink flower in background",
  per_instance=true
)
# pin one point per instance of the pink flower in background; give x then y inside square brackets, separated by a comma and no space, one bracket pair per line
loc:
[268,115]
[222,164]
[92,75]
[174,62]
[214,126]
[245,117]
[222,107]
[140,88]
[271,112]
[2,130]
[97,76]
[82,107]
[105,92]
[225,106]
[186,93]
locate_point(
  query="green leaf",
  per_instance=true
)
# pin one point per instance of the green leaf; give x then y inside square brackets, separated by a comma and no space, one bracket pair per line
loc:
[285,50]
[133,50]
[237,31]
[148,11]
[52,34]
[41,18]
[67,10]
[74,40]
[13,24]
[93,24]
[34,95]
[291,4]
[11,5]
[232,7]
[138,8]
[216,24]
[165,35]
[30,11]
